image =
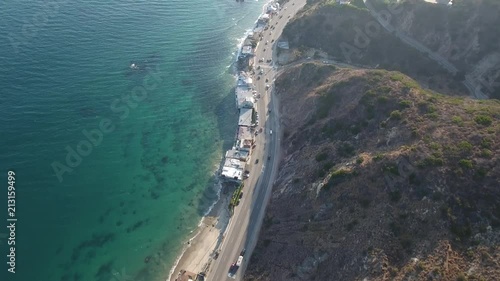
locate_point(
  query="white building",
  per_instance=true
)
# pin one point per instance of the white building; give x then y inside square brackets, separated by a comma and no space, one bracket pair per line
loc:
[233,169]
[237,154]
[246,51]
[244,81]
[244,98]
[245,117]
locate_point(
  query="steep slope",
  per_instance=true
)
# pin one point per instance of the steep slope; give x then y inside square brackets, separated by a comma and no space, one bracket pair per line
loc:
[465,35]
[381,180]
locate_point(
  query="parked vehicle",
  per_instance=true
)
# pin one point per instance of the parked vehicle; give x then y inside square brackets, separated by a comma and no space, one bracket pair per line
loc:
[234,267]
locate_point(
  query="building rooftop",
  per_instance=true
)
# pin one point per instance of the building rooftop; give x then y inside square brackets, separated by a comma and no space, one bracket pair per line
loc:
[244,98]
[245,117]
[246,144]
[244,133]
[232,173]
[186,276]
[244,80]
[237,154]
[246,51]
[234,163]
[233,169]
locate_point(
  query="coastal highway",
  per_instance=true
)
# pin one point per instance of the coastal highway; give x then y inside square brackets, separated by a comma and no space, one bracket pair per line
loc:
[243,229]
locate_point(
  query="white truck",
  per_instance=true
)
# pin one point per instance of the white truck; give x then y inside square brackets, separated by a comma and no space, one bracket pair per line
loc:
[234,267]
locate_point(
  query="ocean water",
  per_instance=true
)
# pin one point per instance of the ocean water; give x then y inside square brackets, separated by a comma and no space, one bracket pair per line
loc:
[135,149]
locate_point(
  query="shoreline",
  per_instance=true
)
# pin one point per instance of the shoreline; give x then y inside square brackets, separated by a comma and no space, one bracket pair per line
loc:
[200,249]
[202,245]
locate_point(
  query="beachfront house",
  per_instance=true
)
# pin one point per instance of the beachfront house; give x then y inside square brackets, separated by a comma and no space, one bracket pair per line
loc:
[245,133]
[241,155]
[244,81]
[245,118]
[233,169]
[244,98]
[245,145]
[246,51]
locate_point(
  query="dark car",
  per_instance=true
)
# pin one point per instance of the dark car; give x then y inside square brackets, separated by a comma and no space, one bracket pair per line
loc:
[256,161]
[267,80]
[269,157]
[241,196]
[258,77]
[243,252]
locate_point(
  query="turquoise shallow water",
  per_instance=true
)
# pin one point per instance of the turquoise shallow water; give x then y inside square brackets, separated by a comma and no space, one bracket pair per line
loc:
[123,210]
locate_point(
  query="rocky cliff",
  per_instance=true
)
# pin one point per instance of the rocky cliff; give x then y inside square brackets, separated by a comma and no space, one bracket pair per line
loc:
[381,180]
[464,34]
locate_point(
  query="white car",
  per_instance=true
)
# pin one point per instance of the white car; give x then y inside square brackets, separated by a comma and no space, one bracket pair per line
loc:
[270,132]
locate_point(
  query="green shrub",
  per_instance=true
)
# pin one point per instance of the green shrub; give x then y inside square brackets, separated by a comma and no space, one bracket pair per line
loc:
[404,104]
[337,177]
[480,173]
[433,115]
[486,153]
[321,156]
[465,146]
[382,99]
[431,161]
[359,160]
[465,163]
[486,143]
[435,146]
[346,149]
[378,156]
[396,115]
[483,120]
[457,120]
[392,168]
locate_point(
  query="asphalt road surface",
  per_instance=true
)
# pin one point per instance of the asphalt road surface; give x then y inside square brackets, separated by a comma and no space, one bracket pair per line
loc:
[244,226]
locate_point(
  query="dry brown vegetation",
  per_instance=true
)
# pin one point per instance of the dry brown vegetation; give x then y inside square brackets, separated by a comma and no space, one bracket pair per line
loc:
[381,179]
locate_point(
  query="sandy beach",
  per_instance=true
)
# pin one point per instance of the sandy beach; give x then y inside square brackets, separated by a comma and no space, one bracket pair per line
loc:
[204,247]
[199,251]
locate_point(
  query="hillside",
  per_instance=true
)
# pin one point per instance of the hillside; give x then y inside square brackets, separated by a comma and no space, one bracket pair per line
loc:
[466,34]
[349,33]
[381,179]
